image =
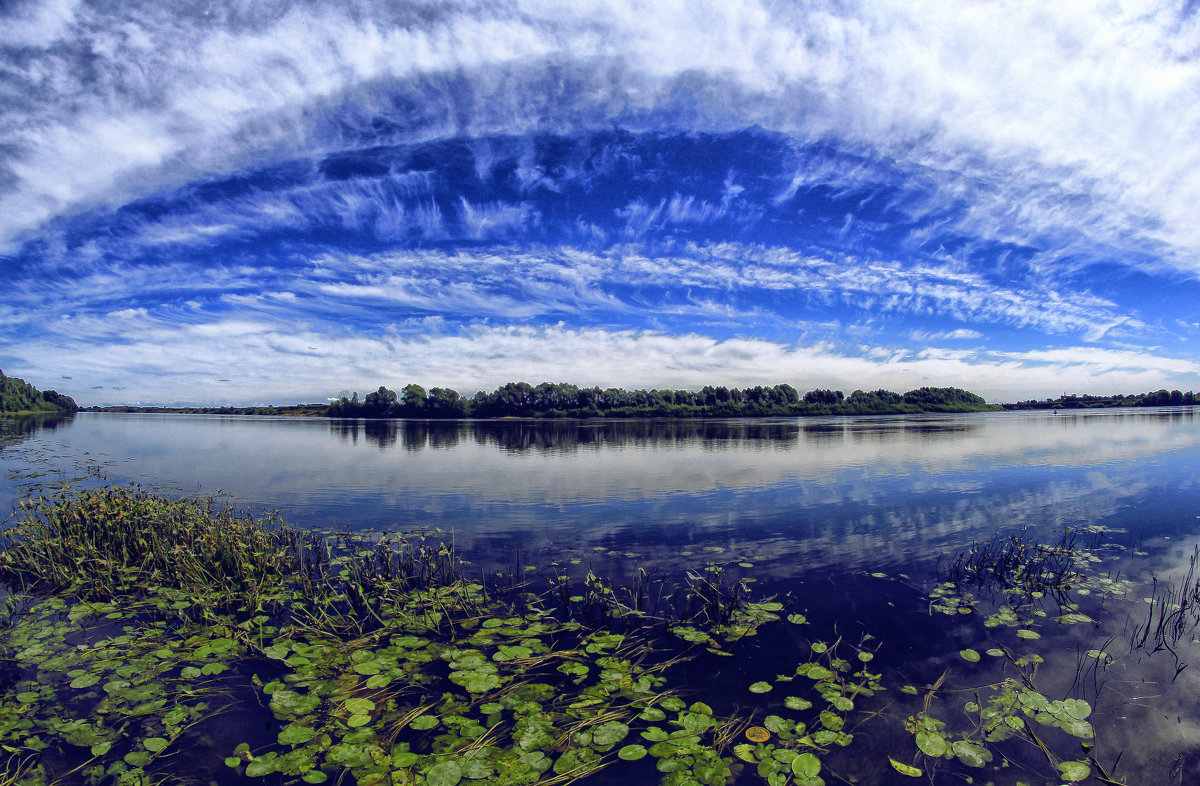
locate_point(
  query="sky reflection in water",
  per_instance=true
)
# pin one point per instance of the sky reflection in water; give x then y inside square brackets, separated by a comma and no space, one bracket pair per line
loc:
[816,506]
[855,493]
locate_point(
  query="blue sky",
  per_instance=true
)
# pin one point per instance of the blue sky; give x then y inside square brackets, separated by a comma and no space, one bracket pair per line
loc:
[270,203]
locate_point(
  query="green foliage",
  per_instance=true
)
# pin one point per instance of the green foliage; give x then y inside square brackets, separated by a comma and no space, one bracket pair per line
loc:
[381,663]
[17,395]
[522,400]
[1157,398]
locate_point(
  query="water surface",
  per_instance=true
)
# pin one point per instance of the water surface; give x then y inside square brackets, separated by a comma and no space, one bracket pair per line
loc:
[814,508]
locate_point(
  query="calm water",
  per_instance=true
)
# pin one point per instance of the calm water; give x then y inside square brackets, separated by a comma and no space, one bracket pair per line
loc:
[840,492]
[816,506]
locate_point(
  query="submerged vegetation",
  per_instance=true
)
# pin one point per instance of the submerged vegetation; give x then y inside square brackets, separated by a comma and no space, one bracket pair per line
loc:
[157,640]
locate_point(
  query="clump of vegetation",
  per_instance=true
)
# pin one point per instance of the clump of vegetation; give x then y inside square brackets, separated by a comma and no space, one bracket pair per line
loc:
[144,628]
[17,395]
[379,660]
[520,399]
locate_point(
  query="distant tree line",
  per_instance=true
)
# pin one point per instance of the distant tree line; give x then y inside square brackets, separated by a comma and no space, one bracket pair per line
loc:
[295,410]
[1158,398]
[17,395]
[550,400]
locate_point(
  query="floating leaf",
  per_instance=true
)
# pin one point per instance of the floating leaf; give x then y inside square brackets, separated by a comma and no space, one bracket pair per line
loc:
[1026,633]
[296,735]
[760,687]
[796,703]
[652,714]
[757,734]
[969,655]
[632,752]
[1077,708]
[970,754]
[608,734]
[806,765]
[85,681]
[777,724]
[932,744]
[905,769]
[446,773]
[745,752]
[1075,770]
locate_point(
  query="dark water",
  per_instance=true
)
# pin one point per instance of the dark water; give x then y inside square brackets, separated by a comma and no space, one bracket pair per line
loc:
[814,505]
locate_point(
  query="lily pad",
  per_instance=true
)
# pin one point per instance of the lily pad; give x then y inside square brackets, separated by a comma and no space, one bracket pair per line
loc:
[806,765]
[1074,770]
[632,752]
[446,773]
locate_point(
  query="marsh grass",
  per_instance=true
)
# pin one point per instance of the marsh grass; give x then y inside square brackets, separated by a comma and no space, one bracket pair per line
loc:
[1172,617]
[1019,562]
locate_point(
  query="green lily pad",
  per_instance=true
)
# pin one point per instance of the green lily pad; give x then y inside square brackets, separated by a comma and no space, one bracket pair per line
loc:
[1074,770]
[760,687]
[608,734]
[970,754]
[806,765]
[446,773]
[632,752]
[85,680]
[1077,708]
[796,703]
[932,744]
[154,744]
[296,735]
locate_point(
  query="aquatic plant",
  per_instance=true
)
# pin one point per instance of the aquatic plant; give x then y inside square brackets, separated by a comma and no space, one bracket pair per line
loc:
[378,660]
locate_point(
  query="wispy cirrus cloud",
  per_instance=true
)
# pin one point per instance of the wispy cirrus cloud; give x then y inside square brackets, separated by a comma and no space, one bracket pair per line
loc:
[157,362]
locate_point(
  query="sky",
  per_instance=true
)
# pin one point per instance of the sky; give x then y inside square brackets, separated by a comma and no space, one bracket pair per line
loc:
[254,203]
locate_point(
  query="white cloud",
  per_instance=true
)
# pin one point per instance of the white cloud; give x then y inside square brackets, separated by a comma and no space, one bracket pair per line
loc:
[1060,121]
[287,362]
[558,278]
[37,23]
[961,334]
